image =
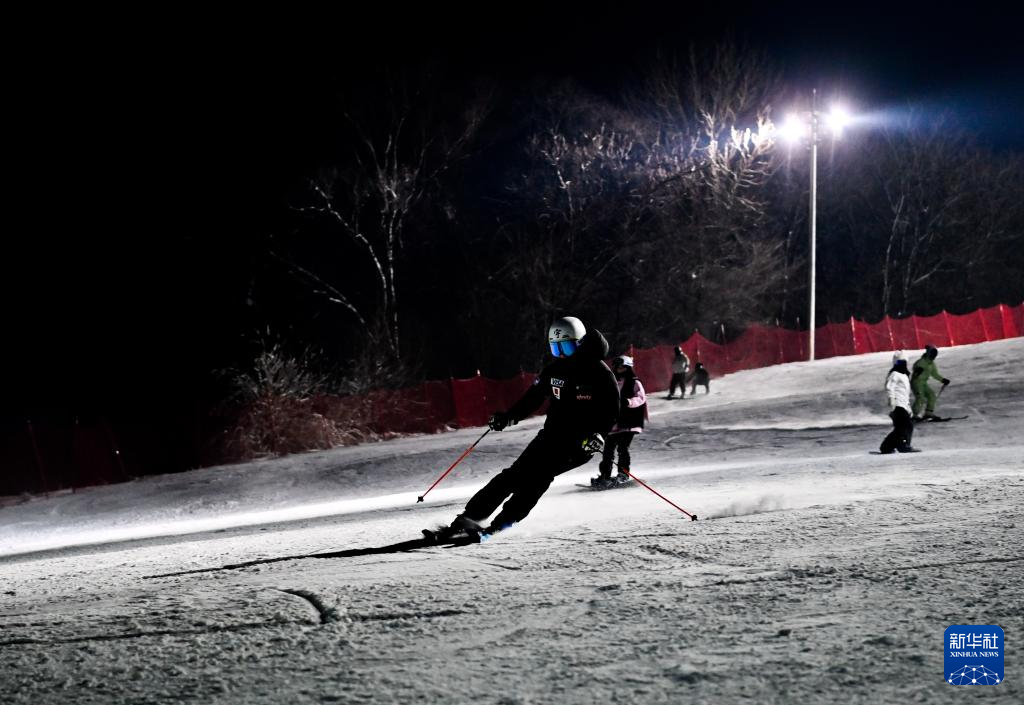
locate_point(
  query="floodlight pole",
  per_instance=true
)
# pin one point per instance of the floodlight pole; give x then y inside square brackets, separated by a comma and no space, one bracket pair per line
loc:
[812,265]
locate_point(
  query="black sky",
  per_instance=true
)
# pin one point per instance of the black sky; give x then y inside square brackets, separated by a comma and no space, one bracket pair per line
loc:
[151,151]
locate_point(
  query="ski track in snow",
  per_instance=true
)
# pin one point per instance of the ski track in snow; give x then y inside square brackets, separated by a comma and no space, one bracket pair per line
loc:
[818,573]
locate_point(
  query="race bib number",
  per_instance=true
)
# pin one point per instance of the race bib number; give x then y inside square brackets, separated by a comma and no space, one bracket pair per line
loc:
[556,387]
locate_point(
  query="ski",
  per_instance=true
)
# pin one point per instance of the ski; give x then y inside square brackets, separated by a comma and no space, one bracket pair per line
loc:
[940,419]
[435,537]
[602,488]
[443,536]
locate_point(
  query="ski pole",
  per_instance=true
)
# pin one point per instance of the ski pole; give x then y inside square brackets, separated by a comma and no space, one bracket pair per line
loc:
[693,517]
[445,474]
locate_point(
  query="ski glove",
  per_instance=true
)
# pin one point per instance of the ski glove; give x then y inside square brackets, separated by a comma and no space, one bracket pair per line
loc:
[593,443]
[500,420]
[944,381]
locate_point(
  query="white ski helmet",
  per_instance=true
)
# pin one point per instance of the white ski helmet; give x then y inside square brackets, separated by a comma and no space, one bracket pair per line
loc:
[623,360]
[564,336]
[897,356]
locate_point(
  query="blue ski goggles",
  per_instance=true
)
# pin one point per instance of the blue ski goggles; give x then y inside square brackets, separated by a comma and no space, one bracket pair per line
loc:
[563,348]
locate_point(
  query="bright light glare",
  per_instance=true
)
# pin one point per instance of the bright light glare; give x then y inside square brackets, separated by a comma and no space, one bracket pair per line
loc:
[838,119]
[793,129]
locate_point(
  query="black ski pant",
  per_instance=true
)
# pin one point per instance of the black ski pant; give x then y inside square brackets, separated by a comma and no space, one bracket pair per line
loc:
[526,480]
[678,380]
[620,442]
[902,431]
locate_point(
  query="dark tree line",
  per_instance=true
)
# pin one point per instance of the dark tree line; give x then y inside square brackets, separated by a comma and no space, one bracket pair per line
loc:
[451,219]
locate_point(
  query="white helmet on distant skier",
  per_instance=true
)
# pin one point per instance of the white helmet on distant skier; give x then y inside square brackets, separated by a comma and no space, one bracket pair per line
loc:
[564,336]
[898,356]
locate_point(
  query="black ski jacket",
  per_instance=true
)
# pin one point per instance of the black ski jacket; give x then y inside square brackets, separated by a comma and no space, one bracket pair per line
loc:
[583,393]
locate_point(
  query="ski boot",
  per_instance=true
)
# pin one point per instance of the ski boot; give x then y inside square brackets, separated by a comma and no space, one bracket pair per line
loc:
[461,527]
[601,482]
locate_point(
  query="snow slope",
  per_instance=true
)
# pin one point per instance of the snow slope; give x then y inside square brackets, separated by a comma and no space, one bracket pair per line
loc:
[817,573]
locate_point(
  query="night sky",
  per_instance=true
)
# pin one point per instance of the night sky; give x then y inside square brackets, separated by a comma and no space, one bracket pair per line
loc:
[149,162]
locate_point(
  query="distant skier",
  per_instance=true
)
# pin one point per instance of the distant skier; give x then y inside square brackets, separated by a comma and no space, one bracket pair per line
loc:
[583,404]
[680,366]
[897,389]
[700,376]
[924,396]
[630,422]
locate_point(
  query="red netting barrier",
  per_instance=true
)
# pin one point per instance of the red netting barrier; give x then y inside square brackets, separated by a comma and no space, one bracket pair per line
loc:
[757,346]
[49,456]
[440,403]
[933,330]
[1015,316]
[503,393]
[793,344]
[879,335]
[470,399]
[823,346]
[654,366]
[967,329]
[711,354]
[843,339]
[992,323]
[861,338]
[904,334]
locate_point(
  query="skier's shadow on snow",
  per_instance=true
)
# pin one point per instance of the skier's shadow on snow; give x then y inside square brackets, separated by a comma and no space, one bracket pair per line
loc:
[375,550]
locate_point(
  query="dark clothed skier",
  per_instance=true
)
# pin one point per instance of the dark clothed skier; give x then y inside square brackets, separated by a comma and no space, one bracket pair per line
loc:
[632,415]
[583,404]
[700,376]
[897,390]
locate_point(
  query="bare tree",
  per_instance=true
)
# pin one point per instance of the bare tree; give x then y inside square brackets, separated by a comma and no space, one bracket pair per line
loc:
[943,213]
[721,255]
[917,218]
[398,147]
[652,213]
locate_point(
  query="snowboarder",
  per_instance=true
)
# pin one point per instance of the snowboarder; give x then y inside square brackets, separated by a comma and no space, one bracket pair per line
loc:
[583,404]
[897,389]
[700,376]
[680,366]
[924,396]
[632,414]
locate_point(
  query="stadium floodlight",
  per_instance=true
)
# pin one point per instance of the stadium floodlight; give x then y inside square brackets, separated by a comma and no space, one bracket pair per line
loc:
[837,120]
[808,127]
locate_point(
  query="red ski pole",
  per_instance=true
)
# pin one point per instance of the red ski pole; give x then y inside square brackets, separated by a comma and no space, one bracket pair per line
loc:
[693,517]
[445,474]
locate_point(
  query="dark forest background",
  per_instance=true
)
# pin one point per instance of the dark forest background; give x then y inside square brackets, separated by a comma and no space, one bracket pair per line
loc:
[208,209]
[450,217]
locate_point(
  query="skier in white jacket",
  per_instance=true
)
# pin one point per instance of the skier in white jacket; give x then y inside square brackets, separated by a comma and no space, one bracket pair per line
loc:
[897,388]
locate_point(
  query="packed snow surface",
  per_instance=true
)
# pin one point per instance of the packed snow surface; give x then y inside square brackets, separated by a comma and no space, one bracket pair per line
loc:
[817,573]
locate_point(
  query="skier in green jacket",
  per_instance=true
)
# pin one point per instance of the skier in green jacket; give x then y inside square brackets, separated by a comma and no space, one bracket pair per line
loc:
[925,396]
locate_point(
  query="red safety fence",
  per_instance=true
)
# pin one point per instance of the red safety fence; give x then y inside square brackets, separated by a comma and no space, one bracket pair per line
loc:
[51,456]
